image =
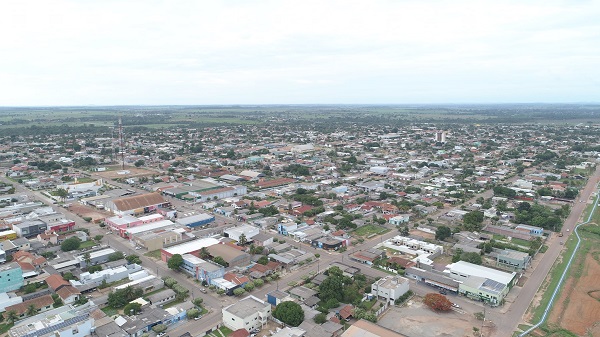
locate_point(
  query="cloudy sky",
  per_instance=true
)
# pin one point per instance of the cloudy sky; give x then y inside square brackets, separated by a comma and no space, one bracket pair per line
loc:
[107,52]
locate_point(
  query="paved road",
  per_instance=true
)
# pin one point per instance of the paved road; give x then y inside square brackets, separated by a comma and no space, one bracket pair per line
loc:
[507,322]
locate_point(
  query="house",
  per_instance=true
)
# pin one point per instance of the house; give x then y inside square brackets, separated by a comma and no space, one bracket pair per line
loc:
[345,312]
[258,270]
[238,279]
[97,257]
[302,293]
[31,264]
[68,294]
[41,303]
[56,282]
[275,297]
[390,288]
[531,230]
[163,297]
[399,219]
[249,313]
[64,321]
[364,328]
[11,277]
[262,240]
[368,256]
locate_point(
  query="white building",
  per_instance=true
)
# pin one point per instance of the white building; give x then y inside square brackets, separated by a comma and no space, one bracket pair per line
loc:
[109,275]
[390,288]
[248,231]
[250,313]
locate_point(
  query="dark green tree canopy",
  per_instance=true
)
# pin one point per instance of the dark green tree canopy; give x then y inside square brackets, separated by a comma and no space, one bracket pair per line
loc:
[289,312]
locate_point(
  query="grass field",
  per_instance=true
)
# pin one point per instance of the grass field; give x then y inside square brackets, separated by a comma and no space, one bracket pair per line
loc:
[369,230]
[87,244]
[155,254]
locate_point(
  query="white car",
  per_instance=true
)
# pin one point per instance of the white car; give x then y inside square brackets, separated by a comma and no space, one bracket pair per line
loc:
[454,305]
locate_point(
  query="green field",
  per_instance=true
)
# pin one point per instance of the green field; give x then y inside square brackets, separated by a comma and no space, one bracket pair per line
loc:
[368,230]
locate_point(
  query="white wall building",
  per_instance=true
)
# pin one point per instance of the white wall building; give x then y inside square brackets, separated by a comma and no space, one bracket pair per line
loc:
[390,288]
[250,313]
[235,232]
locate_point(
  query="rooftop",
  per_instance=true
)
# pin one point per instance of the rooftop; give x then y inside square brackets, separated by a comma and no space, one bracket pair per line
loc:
[247,306]
[471,269]
[191,246]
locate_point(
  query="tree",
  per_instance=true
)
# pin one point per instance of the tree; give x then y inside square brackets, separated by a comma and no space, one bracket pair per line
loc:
[242,240]
[331,287]
[11,316]
[98,238]
[159,328]
[404,231]
[192,313]
[62,193]
[473,220]
[238,291]
[249,286]
[442,232]
[70,244]
[87,258]
[204,253]
[175,262]
[437,302]
[289,312]
[116,256]
[31,310]
[132,309]
[263,260]
[133,259]
[30,288]
[139,163]
[220,260]
[198,301]
[320,318]
[471,257]
[93,269]
[258,282]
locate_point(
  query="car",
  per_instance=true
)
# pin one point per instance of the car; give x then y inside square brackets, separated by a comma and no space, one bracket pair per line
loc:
[561,243]
[197,318]
[454,305]
[568,230]
[138,248]
[443,292]
[203,290]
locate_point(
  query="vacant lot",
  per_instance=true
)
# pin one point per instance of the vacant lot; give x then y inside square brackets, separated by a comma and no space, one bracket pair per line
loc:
[115,172]
[417,320]
[369,230]
[86,211]
[578,307]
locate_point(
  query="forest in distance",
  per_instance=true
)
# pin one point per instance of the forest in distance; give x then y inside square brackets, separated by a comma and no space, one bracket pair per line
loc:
[96,119]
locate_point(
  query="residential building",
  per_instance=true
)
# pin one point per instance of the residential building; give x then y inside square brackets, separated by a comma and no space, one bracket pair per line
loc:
[302,293]
[41,303]
[159,238]
[390,288]
[162,297]
[249,313]
[11,277]
[8,299]
[275,297]
[64,321]
[399,219]
[531,230]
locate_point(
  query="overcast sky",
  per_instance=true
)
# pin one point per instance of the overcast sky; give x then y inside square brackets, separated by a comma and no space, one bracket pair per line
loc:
[106,52]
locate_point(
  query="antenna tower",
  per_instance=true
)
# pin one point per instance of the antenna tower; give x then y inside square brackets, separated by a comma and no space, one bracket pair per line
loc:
[121,144]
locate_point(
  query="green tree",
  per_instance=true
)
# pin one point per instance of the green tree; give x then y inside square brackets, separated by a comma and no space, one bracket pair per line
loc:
[11,316]
[31,310]
[132,309]
[116,256]
[473,220]
[331,287]
[242,240]
[159,328]
[98,238]
[320,318]
[93,269]
[62,193]
[249,286]
[70,244]
[198,301]
[133,259]
[139,163]
[289,312]
[87,258]
[404,231]
[259,282]
[192,313]
[30,288]
[263,260]
[471,257]
[442,232]
[175,262]
[220,260]
[238,291]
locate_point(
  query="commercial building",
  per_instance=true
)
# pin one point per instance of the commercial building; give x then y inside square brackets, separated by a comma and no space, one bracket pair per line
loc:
[109,275]
[8,235]
[137,204]
[144,228]
[512,260]
[390,288]
[159,238]
[11,277]
[481,283]
[201,269]
[250,313]
[190,247]
[233,257]
[57,222]
[121,223]
[64,321]
[97,257]
[196,220]
[248,231]
[30,228]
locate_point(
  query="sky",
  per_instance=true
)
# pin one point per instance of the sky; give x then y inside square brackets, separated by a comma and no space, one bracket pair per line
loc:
[149,52]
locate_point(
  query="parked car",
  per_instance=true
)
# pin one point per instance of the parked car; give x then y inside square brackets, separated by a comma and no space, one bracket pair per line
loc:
[454,305]
[443,292]
[202,290]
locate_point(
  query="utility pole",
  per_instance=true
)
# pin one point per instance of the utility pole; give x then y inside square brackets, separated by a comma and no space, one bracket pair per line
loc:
[121,144]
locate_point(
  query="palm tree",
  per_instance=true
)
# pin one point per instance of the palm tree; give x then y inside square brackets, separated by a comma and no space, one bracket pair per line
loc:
[12,316]
[204,253]
[62,193]
[128,293]
[87,258]
[31,310]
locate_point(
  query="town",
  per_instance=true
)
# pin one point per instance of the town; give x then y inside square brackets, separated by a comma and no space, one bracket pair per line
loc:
[317,228]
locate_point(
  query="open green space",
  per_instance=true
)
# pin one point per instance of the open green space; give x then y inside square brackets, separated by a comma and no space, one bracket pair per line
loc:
[369,230]
[155,254]
[520,242]
[87,244]
[110,311]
